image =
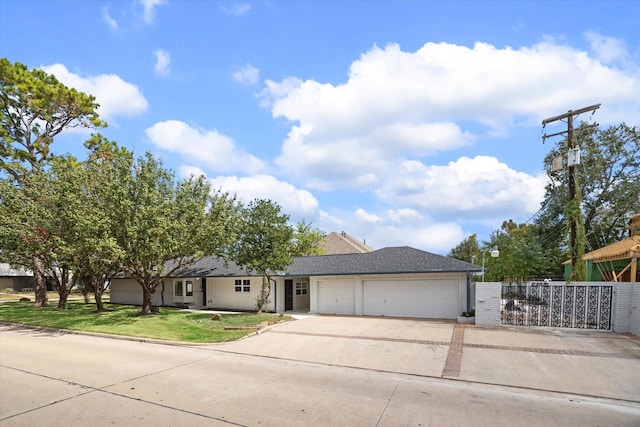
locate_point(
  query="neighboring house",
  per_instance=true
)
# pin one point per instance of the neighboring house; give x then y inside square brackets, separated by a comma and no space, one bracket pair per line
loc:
[342,243]
[398,281]
[617,262]
[15,279]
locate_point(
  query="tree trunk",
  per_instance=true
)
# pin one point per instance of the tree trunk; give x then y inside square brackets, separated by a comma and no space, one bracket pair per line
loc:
[40,282]
[63,293]
[147,296]
[265,291]
[97,295]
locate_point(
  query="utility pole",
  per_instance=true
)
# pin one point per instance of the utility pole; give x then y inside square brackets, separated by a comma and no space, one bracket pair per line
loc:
[573,224]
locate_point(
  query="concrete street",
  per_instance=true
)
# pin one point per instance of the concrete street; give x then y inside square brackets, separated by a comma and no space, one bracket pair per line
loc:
[325,370]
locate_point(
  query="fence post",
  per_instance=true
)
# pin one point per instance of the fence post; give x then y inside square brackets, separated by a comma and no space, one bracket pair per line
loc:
[488,296]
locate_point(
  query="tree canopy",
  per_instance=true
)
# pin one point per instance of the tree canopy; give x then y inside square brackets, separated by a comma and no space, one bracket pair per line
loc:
[467,250]
[34,108]
[162,224]
[267,243]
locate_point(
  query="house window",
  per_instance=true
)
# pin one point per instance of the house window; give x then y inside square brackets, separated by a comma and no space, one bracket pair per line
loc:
[246,286]
[238,285]
[182,288]
[177,288]
[302,288]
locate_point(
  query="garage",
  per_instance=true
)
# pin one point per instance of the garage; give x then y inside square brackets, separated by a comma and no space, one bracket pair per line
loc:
[336,297]
[438,299]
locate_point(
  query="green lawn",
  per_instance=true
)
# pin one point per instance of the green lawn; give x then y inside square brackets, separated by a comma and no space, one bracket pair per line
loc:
[170,324]
[15,296]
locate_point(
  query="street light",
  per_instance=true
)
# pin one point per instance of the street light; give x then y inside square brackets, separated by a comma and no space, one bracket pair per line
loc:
[495,253]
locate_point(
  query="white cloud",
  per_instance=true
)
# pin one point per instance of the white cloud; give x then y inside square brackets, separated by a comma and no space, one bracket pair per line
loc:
[187,171]
[399,105]
[113,24]
[607,49]
[247,74]
[478,187]
[115,96]
[434,237]
[163,60]
[294,201]
[149,7]
[363,215]
[405,215]
[207,148]
[236,8]
[404,227]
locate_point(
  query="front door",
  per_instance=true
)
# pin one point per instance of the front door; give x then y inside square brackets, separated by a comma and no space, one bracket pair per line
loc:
[204,291]
[288,295]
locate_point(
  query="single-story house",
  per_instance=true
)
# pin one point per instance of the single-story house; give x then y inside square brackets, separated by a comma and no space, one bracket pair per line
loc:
[15,279]
[395,281]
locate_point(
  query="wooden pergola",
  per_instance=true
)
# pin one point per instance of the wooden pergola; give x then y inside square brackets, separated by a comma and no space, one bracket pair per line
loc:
[626,249]
[617,260]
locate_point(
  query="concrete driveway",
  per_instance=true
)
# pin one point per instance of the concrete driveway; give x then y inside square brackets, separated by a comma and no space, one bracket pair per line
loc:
[324,371]
[589,363]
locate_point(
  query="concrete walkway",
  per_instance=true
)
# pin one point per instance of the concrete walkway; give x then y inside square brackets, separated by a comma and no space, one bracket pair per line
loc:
[589,363]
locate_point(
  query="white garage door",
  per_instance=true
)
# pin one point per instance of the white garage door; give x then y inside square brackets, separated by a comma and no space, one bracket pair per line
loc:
[336,297]
[436,299]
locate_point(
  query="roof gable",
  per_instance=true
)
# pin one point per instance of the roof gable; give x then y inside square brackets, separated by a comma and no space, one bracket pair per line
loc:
[343,243]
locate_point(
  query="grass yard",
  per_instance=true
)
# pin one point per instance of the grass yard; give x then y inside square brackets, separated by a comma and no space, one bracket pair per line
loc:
[170,324]
[15,296]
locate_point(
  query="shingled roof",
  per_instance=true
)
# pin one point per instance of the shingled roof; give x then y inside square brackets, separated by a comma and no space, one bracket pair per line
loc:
[393,260]
[213,267]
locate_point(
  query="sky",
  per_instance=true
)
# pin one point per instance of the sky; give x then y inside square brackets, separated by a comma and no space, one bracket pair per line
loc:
[402,123]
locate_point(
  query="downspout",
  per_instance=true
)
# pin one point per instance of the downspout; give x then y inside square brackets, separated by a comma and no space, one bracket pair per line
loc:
[203,286]
[275,295]
[468,292]
[162,294]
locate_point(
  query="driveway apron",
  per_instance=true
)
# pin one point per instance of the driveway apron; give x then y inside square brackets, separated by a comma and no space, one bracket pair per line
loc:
[590,363]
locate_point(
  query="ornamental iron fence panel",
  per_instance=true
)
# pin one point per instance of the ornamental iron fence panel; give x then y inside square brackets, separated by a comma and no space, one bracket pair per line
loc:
[561,306]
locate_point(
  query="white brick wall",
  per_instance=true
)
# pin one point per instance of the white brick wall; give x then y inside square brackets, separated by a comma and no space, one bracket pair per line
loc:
[488,303]
[634,318]
[625,316]
[621,307]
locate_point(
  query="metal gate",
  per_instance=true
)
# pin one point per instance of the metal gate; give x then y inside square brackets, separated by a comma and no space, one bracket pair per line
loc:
[557,305]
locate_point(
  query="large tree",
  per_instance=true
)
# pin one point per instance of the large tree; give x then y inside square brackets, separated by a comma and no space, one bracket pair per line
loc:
[521,254]
[264,244]
[467,250]
[609,182]
[163,224]
[97,255]
[307,240]
[35,222]
[267,243]
[34,108]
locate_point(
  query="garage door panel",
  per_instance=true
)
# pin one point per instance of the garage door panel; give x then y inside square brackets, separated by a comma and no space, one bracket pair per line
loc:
[411,298]
[336,297]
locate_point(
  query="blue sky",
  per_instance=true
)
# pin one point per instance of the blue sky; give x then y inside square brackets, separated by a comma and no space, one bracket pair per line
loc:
[402,123]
